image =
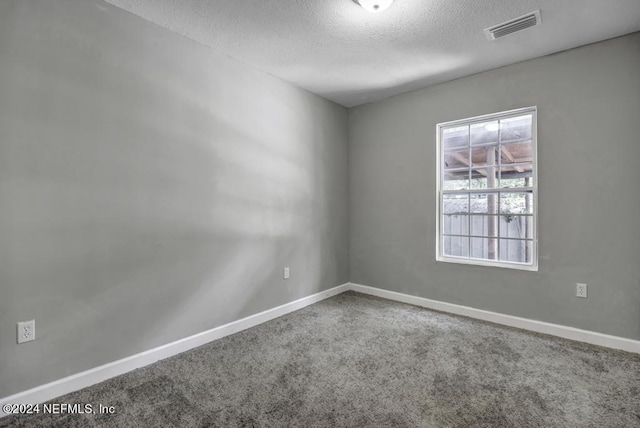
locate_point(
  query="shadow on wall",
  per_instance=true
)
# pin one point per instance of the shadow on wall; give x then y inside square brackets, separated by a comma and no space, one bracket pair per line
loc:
[175,243]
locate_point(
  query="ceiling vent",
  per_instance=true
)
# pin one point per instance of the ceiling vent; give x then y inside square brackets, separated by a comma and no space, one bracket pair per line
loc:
[513,25]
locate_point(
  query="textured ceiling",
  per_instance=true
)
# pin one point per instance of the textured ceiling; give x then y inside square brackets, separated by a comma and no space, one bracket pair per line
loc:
[336,49]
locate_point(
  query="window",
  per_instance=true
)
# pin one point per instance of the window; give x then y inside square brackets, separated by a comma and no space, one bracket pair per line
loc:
[487,190]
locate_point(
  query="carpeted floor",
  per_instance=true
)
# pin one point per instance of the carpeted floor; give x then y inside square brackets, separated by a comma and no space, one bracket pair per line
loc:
[359,361]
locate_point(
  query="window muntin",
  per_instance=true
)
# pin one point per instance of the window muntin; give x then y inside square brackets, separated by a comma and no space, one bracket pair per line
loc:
[487,190]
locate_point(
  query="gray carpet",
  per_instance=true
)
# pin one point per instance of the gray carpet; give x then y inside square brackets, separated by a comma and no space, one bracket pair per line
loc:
[355,360]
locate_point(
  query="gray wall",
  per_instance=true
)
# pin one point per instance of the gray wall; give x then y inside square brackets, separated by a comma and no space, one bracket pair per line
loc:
[150,188]
[589,202]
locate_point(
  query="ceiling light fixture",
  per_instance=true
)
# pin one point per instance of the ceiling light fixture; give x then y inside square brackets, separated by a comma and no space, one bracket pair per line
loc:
[374,6]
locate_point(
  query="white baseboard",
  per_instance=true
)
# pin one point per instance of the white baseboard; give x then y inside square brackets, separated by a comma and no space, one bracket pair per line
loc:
[98,374]
[571,333]
[90,377]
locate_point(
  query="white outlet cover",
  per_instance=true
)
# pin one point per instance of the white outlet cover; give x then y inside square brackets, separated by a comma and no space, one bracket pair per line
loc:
[26,331]
[286,272]
[581,290]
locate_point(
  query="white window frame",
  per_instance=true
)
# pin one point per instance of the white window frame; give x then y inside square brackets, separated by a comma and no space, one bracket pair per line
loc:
[533,266]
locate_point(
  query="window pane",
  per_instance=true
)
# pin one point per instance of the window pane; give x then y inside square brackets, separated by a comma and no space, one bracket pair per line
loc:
[516,226]
[516,203]
[456,246]
[512,250]
[455,204]
[484,225]
[456,158]
[515,128]
[484,248]
[456,137]
[484,203]
[516,176]
[455,180]
[484,173]
[484,133]
[516,152]
[479,248]
[482,156]
[455,224]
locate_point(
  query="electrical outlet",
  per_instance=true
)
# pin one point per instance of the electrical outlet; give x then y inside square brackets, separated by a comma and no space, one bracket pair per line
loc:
[581,290]
[286,272]
[26,331]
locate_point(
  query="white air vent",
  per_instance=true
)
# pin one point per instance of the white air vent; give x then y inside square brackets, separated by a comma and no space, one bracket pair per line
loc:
[513,25]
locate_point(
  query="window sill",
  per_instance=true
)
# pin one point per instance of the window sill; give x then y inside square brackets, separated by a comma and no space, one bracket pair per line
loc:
[488,263]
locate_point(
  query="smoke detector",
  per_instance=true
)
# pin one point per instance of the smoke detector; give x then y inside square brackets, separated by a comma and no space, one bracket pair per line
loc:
[511,26]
